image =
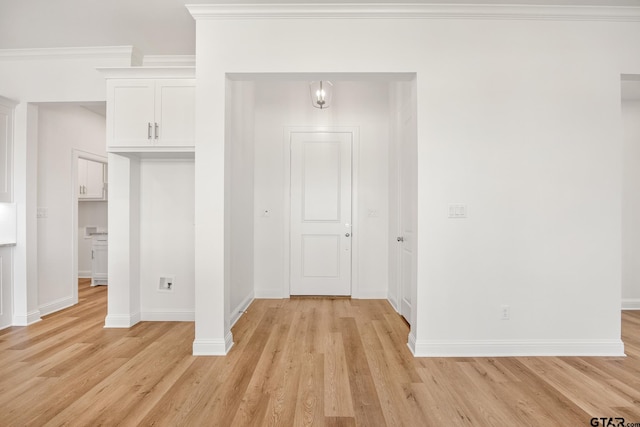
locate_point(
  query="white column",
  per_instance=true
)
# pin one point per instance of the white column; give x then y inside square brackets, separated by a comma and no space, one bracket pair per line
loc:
[124,242]
[25,195]
[212,331]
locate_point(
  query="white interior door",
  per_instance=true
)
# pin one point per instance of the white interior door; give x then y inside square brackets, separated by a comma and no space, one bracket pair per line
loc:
[407,191]
[320,213]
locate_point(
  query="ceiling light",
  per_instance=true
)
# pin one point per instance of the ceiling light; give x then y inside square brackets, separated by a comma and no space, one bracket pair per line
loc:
[321,92]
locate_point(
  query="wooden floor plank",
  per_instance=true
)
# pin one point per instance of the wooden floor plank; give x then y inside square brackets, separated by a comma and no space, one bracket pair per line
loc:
[298,362]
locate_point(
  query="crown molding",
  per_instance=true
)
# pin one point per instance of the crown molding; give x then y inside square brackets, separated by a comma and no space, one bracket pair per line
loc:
[8,102]
[128,53]
[148,72]
[415,11]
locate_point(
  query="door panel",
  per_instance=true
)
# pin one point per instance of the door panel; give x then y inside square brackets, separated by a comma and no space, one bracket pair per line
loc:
[407,191]
[320,213]
[321,256]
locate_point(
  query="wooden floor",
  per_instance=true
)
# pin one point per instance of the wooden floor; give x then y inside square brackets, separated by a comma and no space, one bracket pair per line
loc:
[324,362]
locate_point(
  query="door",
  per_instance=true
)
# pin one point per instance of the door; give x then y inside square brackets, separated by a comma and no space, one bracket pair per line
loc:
[175,106]
[320,213]
[130,112]
[90,179]
[407,191]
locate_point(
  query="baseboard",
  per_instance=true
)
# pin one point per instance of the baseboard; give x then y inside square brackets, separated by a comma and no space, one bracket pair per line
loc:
[518,348]
[5,326]
[412,342]
[121,320]
[168,316]
[631,303]
[382,294]
[56,305]
[205,347]
[269,294]
[393,303]
[28,319]
[84,274]
[237,312]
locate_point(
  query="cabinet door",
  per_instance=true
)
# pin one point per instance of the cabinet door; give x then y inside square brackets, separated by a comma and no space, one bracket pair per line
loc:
[6,156]
[130,112]
[95,180]
[91,180]
[175,112]
[99,262]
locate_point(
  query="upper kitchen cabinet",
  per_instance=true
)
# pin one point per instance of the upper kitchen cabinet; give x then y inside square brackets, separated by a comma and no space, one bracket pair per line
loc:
[6,149]
[147,113]
[91,180]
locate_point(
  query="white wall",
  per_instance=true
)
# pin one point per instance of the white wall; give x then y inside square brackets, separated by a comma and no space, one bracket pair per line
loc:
[517,119]
[90,214]
[239,195]
[62,129]
[631,206]
[166,238]
[362,105]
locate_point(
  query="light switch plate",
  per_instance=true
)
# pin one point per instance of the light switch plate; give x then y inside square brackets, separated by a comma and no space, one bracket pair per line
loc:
[457,211]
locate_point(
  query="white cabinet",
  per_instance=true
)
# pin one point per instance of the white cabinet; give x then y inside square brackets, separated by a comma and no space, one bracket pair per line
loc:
[99,260]
[91,180]
[150,114]
[6,149]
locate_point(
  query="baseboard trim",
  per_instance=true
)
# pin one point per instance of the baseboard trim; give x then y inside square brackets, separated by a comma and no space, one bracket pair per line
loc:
[28,319]
[168,316]
[269,294]
[237,312]
[506,348]
[208,347]
[631,303]
[56,305]
[393,303]
[411,343]
[84,274]
[121,320]
[371,295]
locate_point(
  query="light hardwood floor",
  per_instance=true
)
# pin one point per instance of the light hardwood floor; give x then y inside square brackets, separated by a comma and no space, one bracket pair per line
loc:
[324,362]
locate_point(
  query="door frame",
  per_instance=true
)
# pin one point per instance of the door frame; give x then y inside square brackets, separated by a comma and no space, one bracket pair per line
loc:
[355,162]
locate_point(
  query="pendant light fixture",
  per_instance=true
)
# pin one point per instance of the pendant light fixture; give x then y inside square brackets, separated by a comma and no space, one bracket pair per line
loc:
[321,92]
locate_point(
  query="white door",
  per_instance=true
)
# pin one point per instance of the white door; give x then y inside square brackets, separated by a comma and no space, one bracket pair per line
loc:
[130,112]
[408,195]
[90,179]
[320,213]
[175,106]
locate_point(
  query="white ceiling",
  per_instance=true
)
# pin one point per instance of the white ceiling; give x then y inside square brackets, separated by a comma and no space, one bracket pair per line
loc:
[155,27]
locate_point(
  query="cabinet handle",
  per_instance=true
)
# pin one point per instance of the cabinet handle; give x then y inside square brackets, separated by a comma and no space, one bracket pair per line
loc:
[157,130]
[91,253]
[149,131]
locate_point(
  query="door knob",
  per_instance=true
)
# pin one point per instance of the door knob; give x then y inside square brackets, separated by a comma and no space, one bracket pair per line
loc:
[400,239]
[347,235]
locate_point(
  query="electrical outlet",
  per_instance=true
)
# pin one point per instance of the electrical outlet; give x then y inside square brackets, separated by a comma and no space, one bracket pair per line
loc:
[505,311]
[166,284]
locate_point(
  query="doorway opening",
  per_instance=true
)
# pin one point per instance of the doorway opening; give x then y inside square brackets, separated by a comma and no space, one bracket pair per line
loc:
[263,113]
[71,197]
